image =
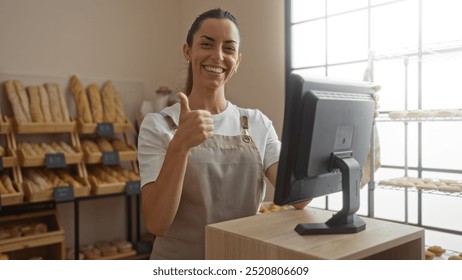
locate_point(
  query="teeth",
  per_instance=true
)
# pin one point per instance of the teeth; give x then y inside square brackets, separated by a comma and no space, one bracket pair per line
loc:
[214,69]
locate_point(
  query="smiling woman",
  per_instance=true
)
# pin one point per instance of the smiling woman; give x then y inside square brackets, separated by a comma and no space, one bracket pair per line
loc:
[204,160]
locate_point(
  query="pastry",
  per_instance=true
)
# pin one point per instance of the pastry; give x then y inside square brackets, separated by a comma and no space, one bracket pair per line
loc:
[397,114]
[35,106]
[455,257]
[81,101]
[429,255]
[437,250]
[91,146]
[45,104]
[94,97]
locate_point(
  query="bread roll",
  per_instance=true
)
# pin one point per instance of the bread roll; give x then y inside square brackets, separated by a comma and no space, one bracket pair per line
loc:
[81,100]
[23,98]
[15,102]
[35,105]
[55,104]
[109,103]
[94,96]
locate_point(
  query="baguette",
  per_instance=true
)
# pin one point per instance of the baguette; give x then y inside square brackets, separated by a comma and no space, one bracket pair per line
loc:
[23,98]
[55,104]
[45,104]
[2,151]
[94,96]
[81,101]
[35,105]
[13,97]
[120,113]
[8,184]
[109,103]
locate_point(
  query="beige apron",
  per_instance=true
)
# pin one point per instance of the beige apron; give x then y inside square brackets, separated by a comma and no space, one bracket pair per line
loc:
[224,180]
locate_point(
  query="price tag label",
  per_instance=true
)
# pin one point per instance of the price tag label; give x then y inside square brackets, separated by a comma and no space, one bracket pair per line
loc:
[62,194]
[57,160]
[110,158]
[105,129]
[1,163]
[133,187]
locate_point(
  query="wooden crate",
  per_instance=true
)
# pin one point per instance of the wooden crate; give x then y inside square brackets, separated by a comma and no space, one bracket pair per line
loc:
[91,128]
[99,189]
[48,245]
[13,198]
[5,125]
[28,161]
[48,195]
[92,158]
[41,128]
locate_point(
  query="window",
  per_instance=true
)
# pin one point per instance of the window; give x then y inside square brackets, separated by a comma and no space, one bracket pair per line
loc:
[417,50]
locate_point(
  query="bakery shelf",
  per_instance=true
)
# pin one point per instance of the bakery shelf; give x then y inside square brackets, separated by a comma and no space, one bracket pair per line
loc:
[113,188]
[41,128]
[49,242]
[92,128]
[13,198]
[48,195]
[92,158]
[29,161]
[9,160]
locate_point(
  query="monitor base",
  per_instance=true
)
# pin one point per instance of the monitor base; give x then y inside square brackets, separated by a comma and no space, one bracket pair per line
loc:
[356,225]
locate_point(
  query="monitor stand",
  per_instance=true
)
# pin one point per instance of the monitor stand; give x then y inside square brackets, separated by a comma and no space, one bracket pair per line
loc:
[344,221]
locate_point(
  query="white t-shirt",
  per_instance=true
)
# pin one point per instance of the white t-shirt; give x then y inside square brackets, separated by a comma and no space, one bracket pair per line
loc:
[155,135]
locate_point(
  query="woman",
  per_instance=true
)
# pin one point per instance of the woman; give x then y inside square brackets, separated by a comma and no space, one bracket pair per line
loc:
[203,160]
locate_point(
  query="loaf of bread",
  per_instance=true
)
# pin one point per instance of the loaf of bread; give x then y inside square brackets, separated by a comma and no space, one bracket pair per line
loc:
[104,145]
[90,145]
[119,145]
[437,250]
[3,189]
[61,100]
[2,151]
[7,183]
[15,102]
[35,105]
[45,104]
[120,112]
[55,104]
[81,101]
[94,96]
[109,103]
[23,98]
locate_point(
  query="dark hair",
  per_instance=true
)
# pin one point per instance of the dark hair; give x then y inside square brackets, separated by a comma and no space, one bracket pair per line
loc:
[216,14]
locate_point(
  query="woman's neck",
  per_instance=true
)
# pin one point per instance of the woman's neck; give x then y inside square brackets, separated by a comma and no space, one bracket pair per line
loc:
[213,101]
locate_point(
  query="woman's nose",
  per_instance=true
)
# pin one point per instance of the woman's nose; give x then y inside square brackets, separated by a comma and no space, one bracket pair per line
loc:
[218,54]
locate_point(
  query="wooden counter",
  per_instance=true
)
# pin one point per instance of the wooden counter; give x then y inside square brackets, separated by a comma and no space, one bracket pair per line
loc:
[272,236]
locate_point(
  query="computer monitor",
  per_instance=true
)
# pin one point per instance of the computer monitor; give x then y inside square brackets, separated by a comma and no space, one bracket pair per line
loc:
[325,141]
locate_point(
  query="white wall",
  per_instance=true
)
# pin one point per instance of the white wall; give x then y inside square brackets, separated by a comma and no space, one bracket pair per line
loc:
[136,41]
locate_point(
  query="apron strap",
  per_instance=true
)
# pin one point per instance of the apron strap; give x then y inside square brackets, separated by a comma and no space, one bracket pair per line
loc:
[245,126]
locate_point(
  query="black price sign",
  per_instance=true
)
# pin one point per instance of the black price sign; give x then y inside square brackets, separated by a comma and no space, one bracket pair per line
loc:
[105,129]
[110,158]
[1,163]
[57,160]
[63,194]
[133,187]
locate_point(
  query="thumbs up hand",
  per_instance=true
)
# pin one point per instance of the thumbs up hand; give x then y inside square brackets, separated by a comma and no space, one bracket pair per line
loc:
[195,126]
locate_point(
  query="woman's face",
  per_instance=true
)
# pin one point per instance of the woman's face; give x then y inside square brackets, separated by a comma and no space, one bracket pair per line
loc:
[214,54]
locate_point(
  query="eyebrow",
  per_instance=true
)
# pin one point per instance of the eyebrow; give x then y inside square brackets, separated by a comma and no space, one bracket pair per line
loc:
[213,40]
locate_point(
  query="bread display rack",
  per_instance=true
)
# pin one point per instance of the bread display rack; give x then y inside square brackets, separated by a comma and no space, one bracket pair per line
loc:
[104,130]
[37,235]
[29,130]
[407,184]
[10,192]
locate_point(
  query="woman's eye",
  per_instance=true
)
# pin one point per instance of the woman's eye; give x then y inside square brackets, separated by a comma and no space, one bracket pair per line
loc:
[206,44]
